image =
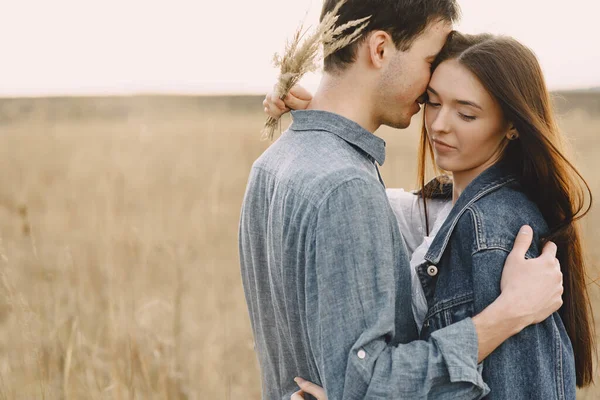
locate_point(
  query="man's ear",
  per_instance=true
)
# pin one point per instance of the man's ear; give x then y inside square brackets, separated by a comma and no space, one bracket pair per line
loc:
[379,44]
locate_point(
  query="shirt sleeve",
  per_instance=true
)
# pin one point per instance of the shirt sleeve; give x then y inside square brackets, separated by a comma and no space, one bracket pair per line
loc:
[354,308]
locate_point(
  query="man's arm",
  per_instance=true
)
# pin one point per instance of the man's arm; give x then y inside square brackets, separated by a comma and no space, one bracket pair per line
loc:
[354,310]
[360,267]
[526,365]
[531,290]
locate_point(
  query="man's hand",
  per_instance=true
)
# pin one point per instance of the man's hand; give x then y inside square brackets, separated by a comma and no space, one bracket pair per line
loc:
[532,288]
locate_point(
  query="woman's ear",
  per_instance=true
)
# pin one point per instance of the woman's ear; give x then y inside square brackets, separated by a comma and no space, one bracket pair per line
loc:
[512,134]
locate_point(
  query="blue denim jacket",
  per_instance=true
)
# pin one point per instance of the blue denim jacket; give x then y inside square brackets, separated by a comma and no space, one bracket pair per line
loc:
[461,276]
[326,275]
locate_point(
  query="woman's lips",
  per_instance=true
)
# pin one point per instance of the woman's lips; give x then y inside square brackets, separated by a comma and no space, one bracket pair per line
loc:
[442,146]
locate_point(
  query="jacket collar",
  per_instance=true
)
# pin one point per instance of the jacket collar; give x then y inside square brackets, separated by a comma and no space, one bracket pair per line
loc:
[350,131]
[487,182]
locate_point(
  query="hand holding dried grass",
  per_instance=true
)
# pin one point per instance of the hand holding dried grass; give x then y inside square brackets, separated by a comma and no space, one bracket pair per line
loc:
[301,57]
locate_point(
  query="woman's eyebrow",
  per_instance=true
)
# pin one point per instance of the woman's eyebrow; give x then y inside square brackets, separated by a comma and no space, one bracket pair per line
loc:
[469,103]
[430,89]
[463,102]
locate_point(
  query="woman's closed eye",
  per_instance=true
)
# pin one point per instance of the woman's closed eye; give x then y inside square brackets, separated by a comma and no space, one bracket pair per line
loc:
[467,118]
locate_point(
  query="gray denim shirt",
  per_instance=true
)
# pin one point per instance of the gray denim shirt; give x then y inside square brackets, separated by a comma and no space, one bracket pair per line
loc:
[327,279]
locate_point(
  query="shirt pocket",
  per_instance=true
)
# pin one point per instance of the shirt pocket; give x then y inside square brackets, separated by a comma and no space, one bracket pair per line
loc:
[447,312]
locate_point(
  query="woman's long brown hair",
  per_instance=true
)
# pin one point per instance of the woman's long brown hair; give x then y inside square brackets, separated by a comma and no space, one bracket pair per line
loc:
[510,72]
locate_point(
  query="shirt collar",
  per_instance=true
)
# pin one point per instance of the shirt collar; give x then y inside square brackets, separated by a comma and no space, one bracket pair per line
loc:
[350,131]
[487,182]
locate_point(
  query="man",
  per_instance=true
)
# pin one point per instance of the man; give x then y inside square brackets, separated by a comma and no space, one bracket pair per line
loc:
[325,271]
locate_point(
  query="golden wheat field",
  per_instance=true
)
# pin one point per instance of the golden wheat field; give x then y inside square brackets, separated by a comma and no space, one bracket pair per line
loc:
[119,275]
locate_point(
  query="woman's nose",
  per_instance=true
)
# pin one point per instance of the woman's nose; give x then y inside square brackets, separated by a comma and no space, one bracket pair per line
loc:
[441,122]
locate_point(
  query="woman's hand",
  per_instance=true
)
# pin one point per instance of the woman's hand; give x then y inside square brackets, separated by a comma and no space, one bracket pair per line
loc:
[298,99]
[308,387]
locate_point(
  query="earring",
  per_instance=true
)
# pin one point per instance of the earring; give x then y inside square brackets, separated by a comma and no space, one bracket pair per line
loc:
[513,136]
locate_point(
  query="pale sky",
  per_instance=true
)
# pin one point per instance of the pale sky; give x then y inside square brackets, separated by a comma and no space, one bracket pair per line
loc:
[219,46]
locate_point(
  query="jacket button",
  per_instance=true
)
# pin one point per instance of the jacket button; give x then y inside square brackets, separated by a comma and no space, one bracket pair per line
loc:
[432,270]
[361,354]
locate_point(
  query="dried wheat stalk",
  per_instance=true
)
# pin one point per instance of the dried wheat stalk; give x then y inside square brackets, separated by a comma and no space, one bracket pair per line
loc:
[302,56]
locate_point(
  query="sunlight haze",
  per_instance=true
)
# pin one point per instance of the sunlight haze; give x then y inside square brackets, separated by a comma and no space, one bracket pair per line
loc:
[226,47]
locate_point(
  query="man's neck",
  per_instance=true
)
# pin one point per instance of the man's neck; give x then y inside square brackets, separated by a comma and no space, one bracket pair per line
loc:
[346,97]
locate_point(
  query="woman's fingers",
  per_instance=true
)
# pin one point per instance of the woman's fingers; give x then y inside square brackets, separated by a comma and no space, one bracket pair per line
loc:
[300,93]
[299,98]
[308,387]
[299,395]
[280,104]
[296,103]
[276,101]
[273,106]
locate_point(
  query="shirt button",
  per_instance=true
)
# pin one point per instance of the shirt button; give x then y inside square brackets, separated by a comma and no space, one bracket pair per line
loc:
[432,270]
[361,354]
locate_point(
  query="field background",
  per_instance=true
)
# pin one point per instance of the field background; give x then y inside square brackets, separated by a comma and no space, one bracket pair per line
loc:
[119,275]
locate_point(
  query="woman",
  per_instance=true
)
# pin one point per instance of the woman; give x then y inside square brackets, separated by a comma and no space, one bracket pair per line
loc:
[488,122]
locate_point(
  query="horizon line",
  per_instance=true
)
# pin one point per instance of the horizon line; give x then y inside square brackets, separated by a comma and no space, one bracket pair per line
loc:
[158,93]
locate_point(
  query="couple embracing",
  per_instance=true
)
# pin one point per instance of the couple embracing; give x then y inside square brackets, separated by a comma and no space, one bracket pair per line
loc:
[472,286]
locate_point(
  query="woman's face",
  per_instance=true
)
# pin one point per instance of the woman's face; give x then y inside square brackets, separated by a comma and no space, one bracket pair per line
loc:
[465,125]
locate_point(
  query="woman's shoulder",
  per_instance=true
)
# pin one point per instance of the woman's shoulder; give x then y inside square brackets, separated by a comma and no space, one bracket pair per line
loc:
[499,215]
[510,202]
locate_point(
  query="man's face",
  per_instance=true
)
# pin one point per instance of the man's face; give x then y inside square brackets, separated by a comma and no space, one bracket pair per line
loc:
[407,75]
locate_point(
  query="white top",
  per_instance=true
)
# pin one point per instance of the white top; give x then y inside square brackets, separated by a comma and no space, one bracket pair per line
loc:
[408,208]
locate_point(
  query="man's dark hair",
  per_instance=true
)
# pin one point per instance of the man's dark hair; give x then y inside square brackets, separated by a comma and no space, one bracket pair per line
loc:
[404,20]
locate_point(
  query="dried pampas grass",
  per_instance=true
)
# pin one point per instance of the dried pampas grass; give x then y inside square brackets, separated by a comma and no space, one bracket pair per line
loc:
[302,56]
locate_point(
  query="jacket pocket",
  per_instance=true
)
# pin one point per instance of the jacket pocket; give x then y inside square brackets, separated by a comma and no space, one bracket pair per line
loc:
[447,312]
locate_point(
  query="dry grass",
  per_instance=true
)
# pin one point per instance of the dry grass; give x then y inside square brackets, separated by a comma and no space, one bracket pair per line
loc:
[119,275]
[304,52]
